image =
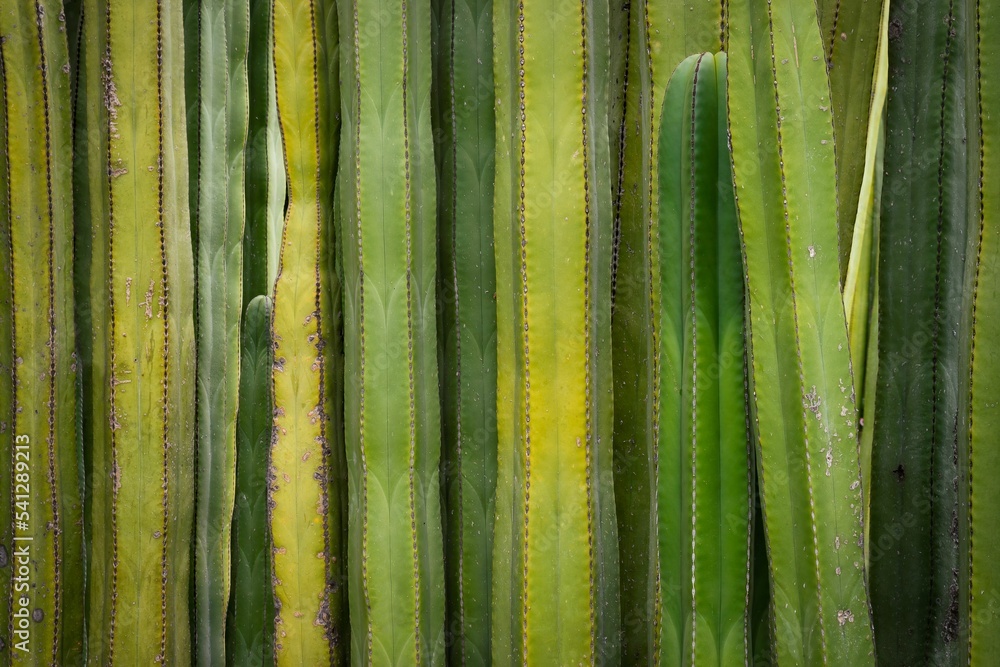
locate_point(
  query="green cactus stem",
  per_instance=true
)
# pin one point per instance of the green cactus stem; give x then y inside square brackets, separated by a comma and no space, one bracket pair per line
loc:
[250,627]
[555,569]
[44,611]
[703,506]
[922,245]
[649,39]
[306,510]
[392,423]
[464,120]
[804,411]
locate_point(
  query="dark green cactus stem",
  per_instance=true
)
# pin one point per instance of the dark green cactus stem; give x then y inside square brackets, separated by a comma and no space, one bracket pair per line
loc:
[264,164]
[223,31]
[850,33]
[45,605]
[306,511]
[805,417]
[465,122]
[647,43]
[703,505]
[555,569]
[914,499]
[142,306]
[387,199]
[250,627]
[979,416]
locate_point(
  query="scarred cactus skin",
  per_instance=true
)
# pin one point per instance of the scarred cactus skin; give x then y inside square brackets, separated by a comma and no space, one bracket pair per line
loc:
[41,498]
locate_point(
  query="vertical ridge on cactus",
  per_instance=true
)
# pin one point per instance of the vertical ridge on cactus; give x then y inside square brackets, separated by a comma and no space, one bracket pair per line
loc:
[41,394]
[804,403]
[704,508]
[555,502]
[657,36]
[392,421]
[979,417]
[223,33]
[914,499]
[143,458]
[305,516]
[464,121]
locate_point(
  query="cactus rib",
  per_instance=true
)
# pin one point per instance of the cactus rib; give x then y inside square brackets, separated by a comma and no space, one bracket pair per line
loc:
[465,121]
[809,461]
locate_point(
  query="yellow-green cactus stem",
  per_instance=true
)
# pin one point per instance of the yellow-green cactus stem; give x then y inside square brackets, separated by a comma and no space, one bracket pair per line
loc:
[703,506]
[555,568]
[45,606]
[651,38]
[804,412]
[142,458]
[979,416]
[304,498]
[392,423]
[465,123]
[218,213]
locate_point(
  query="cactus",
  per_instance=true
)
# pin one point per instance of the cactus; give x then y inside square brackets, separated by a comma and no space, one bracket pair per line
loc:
[141,302]
[464,121]
[392,422]
[979,418]
[922,249]
[803,400]
[306,511]
[703,507]
[250,626]
[219,212]
[45,605]
[654,36]
[850,33]
[553,228]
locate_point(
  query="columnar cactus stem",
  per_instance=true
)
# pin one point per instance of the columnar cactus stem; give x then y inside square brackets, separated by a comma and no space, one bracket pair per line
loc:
[922,245]
[464,120]
[653,38]
[387,218]
[979,416]
[850,33]
[44,621]
[804,405]
[704,506]
[304,496]
[223,32]
[555,502]
[143,458]
[250,627]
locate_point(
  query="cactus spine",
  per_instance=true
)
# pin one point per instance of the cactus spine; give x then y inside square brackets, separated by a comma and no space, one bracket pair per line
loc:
[979,417]
[914,500]
[467,283]
[305,505]
[250,627]
[654,37]
[804,404]
[387,218]
[143,457]
[555,502]
[44,622]
[218,214]
[704,504]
